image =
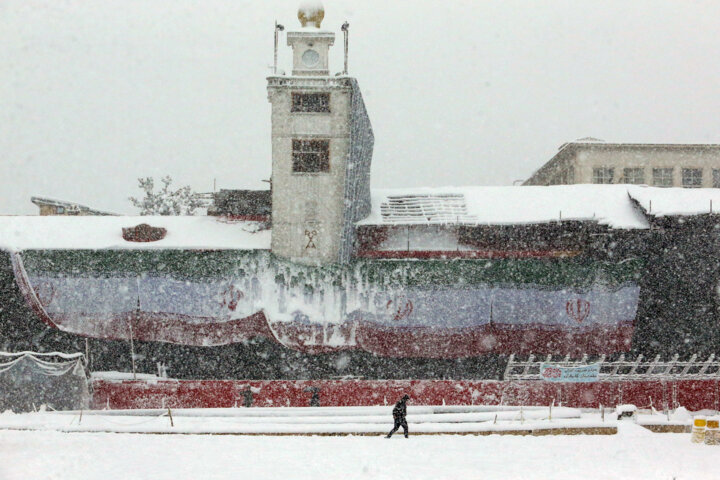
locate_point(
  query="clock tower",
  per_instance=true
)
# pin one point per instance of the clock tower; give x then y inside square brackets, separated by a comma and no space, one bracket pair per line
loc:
[322,145]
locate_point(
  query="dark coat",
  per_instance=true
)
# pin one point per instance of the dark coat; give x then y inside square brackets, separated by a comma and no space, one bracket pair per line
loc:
[400,410]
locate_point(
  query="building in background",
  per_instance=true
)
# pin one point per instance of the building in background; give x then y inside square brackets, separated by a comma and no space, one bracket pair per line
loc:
[254,205]
[49,206]
[589,160]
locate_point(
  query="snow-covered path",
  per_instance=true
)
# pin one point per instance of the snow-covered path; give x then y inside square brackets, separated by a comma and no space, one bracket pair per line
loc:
[634,453]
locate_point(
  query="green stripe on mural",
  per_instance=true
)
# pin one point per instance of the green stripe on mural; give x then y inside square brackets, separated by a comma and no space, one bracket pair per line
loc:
[196,265]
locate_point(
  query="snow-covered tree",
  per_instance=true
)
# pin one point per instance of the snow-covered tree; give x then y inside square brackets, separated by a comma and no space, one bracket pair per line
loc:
[182,201]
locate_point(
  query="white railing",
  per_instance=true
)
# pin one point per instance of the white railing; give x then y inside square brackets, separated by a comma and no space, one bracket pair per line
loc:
[206,198]
[641,368]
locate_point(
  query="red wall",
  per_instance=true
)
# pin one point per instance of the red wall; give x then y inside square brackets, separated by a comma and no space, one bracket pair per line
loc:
[692,394]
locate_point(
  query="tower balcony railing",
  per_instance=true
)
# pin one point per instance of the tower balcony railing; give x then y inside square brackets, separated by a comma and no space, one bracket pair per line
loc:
[308,82]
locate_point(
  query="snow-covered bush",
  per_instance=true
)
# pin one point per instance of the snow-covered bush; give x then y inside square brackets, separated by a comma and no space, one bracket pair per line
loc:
[182,201]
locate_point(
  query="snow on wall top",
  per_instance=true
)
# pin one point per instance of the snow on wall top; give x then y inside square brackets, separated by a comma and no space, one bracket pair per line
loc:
[104,232]
[661,202]
[606,204]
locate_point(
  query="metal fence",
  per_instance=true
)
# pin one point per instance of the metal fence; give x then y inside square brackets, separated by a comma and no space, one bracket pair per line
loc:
[641,368]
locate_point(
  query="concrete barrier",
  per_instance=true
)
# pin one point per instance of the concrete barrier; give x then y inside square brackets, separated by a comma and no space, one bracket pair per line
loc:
[160,393]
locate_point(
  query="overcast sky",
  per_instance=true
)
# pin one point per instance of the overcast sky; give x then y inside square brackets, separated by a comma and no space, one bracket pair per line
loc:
[95,94]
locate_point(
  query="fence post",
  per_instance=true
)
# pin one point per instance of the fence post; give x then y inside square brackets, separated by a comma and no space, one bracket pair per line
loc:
[527,365]
[671,364]
[617,365]
[689,364]
[508,367]
[707,365]
[653,365]
[636,365]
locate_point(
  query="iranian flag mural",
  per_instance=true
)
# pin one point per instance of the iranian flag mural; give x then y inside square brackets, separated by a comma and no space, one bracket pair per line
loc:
[399,308]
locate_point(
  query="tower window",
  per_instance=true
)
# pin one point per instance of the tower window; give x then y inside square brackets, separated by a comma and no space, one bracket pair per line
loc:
[311,102]
[311,156]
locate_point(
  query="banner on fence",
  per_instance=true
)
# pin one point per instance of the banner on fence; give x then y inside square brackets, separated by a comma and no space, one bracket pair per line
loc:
[584,374]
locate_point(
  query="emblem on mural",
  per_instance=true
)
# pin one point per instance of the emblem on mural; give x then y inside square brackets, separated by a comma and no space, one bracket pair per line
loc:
[399,308]
[45,293]
[231,297]
[578,310]
[310,235]
[551,372]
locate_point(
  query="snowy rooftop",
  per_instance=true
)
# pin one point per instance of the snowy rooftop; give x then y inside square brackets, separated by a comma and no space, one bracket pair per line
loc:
[606,204]
[96,232]
[677,201]
[610,205]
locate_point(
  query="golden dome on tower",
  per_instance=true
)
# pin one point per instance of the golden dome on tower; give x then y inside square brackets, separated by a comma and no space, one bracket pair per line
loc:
[311,13]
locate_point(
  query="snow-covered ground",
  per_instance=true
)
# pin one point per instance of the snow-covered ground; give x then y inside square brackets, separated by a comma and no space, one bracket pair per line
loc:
[634,453]
[303,421]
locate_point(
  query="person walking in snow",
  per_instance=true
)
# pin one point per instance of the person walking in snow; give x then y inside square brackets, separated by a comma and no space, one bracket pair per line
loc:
[399,413]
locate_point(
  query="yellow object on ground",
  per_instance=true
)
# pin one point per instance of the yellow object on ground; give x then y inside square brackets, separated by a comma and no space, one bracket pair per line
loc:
[698,429]
[712,431]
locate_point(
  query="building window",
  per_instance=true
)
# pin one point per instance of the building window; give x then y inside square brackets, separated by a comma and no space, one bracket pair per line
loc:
[603,175]
[311,102]
[692,177]
[716,178]
[662,177]
[570,175]
[311,156]
[634,176]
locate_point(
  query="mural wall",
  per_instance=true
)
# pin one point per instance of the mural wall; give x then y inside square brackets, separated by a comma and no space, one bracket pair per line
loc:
[405,308]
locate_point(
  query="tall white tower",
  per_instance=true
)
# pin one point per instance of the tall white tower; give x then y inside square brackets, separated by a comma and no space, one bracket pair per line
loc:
[321,151]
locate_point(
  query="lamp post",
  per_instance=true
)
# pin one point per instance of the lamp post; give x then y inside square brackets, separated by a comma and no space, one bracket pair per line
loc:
[278,28]
[344,28]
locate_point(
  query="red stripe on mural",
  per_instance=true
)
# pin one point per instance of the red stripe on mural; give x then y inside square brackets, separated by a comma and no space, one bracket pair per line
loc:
[440,342]
[383,340]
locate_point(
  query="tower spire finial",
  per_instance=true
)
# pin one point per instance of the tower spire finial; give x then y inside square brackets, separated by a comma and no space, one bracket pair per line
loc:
[311,13]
